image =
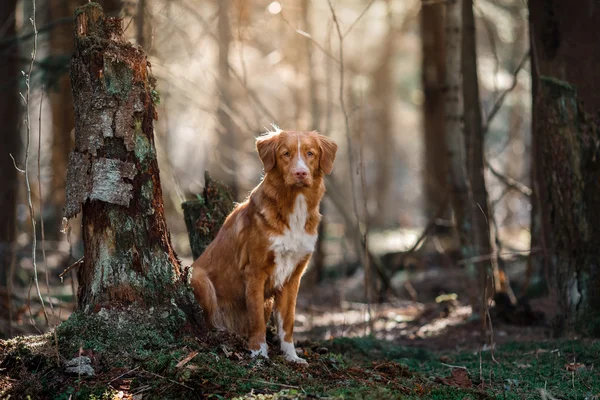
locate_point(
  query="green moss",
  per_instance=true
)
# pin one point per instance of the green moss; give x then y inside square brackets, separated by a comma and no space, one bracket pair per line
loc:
[133,335]
[205,215]
[143,148]
[155,97]
[118,77]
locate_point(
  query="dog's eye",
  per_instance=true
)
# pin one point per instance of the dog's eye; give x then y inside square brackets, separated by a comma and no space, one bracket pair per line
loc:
[286,154]
[310,154]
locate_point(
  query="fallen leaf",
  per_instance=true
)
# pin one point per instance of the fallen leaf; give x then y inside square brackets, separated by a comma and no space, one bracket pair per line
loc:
[458,378]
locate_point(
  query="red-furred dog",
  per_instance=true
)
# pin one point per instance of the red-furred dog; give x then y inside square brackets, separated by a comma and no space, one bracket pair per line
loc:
[258,257]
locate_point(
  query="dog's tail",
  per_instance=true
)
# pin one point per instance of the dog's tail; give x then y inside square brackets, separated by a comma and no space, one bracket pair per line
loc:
[206,296]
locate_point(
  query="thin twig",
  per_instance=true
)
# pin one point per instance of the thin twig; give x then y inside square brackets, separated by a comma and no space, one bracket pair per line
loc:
[28,125]
[510,182]
[488,257]
[319,46]
[122,375]
[358,18]
[74,265]
[366,231]
[170,380]
[443,206]
[454,366]
[498,104]
[268,383]
[39,178]
[15,164]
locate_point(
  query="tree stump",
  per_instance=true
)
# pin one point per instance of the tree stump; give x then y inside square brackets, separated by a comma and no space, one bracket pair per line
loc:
[205,215]
[113,175]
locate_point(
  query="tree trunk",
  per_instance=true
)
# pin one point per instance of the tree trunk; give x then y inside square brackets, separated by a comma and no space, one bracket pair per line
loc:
[61,101]
[10,143]
[113,175]
[565,110]
[61,105]
[455,138]
[473,132]
[226,129]
[382,138]
[433,71]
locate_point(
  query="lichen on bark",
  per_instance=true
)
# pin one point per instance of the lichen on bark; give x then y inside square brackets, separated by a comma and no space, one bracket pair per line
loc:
[113,175]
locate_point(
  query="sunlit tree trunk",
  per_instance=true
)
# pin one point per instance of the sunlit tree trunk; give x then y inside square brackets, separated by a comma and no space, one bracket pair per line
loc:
[61,100]
[566,108]
[10,142]
[474,144]
[113,175]
[433,70]
[226,129]
[382,101]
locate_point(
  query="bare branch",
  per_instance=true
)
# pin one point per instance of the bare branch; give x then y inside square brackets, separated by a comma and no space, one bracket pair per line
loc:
[500,100]
[510,182]
[358,18]
[15,164]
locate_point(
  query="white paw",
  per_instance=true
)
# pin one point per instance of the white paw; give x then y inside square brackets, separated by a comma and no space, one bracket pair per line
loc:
[289,352]
[294,358]
[262,351]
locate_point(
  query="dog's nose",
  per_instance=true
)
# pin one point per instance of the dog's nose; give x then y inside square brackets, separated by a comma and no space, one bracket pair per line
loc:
[300,174]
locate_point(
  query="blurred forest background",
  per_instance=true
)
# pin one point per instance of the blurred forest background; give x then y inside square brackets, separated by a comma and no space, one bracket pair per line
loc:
[228,69]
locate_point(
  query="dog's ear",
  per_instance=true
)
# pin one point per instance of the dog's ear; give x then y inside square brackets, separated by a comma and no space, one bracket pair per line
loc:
[266,146]
[328,150]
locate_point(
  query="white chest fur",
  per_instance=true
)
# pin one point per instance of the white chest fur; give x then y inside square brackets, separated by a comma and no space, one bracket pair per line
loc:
[293,245]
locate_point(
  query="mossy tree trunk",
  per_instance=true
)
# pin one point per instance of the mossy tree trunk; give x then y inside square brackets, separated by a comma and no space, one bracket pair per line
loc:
[205,215]
[113,175]
[61,100]
[567,138]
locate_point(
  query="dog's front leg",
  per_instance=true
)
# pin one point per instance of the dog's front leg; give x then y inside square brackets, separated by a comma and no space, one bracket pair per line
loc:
[285,311]
[255,304]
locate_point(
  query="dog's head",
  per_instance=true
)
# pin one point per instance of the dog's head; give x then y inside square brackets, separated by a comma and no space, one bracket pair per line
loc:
[299,157]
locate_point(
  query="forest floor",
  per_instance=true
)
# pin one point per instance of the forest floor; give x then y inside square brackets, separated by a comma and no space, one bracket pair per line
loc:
[429,347]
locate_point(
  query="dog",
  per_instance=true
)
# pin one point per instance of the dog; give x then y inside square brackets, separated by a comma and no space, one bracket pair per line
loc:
[257,259]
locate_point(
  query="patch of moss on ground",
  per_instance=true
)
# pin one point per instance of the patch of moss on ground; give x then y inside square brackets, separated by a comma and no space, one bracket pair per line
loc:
[164,364]
[513,371]
[131,335]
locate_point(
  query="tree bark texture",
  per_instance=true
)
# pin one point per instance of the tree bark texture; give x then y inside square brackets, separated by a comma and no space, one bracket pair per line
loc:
[205,215]
[61,99]
[113,175]
[10,139]
[566,135]
[455,140]
[433,70]
[474,143]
